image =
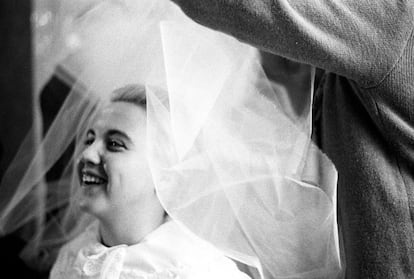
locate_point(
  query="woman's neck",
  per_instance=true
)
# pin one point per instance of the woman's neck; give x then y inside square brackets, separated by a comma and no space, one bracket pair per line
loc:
[129,229]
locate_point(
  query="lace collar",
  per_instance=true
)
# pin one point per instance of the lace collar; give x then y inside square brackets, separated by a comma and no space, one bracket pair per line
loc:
[166,251]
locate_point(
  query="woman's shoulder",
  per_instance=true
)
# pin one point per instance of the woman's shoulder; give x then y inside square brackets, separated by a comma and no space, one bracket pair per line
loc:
[174,252]
[171,251]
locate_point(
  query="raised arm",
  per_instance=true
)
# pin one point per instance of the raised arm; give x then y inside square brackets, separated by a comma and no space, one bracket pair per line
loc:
[361,40]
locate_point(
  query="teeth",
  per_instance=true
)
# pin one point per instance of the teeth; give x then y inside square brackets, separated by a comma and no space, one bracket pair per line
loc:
[86,178]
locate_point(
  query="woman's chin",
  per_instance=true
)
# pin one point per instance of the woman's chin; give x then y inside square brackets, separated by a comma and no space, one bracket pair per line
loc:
[93,190]
[92,201]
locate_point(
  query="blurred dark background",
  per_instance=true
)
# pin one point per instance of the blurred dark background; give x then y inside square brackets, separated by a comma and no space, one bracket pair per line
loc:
[15,77]
[15,110]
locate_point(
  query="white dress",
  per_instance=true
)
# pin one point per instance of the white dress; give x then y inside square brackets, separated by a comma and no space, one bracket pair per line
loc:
[167,252]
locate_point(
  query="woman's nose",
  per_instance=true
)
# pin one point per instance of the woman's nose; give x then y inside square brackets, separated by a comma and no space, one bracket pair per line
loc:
[92,154]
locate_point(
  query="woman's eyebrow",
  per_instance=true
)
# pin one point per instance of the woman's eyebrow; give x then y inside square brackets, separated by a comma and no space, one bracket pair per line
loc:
[114,132]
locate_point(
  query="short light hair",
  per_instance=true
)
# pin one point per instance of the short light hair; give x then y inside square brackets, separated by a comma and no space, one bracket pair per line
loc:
[132,93]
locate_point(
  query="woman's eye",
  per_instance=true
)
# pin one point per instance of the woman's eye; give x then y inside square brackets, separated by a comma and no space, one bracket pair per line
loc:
[88,141]
[114,144]
[89,138]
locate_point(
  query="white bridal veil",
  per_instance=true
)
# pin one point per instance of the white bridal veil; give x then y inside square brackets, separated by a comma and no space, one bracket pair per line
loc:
[228,158]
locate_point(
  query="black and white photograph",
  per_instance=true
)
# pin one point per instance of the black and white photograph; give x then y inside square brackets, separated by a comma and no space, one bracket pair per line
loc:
[207,139]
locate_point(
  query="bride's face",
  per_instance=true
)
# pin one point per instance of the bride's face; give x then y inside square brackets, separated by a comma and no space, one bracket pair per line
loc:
[113,169]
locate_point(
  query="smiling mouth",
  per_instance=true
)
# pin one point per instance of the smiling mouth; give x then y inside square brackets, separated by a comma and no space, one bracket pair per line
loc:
[88,179]
[91,175]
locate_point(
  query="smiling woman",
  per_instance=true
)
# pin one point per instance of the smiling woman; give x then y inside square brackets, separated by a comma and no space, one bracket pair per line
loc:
[117,188]
[114,173]
[185,161]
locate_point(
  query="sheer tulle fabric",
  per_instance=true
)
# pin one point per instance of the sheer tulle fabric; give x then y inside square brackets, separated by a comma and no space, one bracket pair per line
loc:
[227,160]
